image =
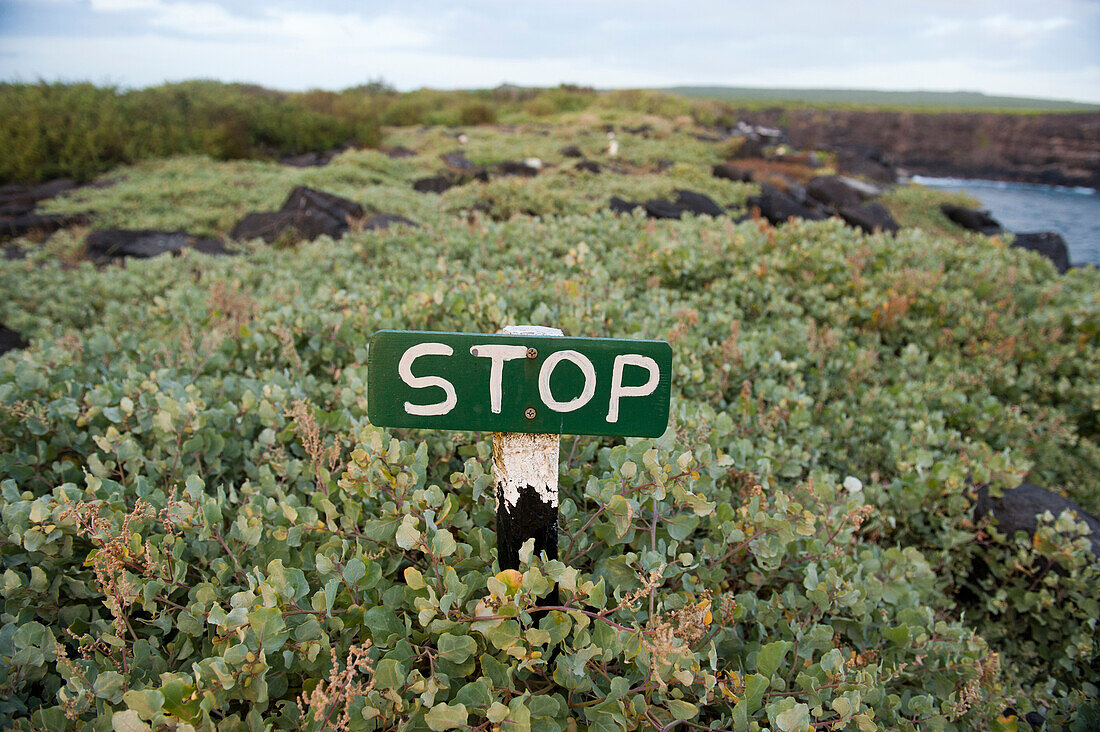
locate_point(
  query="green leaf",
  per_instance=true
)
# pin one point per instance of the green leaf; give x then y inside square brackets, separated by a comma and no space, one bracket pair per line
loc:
[681,709]
[147,703]
[770,656]
[795,719]
[389,674]
[446,716]
[456,648]
[268,624]
[354,571]
[622,514]
[443,544]
[128,721]
[407,536]
[108,684]
[898,636]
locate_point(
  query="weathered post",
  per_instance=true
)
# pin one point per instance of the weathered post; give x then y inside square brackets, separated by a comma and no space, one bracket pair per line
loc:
[525,473]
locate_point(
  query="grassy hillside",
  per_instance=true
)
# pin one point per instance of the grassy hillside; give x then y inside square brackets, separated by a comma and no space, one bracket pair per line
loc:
[958,100]
[202,530]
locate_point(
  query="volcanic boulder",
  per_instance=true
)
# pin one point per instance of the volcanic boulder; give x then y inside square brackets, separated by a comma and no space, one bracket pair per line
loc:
[871,216]
[10,340]
[433,184]
[833,191]
[32,223]
[972,219]
[732,172]
[869,165]
[114,244]
[1019,507]
[777,207]
[698,203]
[306,214]
[1048,243]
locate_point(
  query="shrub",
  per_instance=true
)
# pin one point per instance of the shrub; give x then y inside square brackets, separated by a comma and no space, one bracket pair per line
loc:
[201,528]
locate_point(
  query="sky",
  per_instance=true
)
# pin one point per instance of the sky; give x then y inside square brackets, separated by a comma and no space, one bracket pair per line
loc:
[1048,49]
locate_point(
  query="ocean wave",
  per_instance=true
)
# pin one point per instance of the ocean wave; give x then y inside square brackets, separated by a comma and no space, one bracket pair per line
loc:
[934,182]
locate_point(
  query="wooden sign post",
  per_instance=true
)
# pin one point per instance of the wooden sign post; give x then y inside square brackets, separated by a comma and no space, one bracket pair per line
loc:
[527,385]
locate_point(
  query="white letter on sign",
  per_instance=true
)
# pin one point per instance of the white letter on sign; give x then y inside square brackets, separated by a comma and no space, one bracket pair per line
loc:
[404,370]
[618,390]
[498,354]
[586,368]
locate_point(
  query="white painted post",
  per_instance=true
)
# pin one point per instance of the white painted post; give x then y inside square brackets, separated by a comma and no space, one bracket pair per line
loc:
[525,470]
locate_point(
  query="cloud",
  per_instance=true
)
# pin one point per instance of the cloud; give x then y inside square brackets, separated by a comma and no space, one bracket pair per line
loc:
[310,27]
[1021,30]
[1002,27]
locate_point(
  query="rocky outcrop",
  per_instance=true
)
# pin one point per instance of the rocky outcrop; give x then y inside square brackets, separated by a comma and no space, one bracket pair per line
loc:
[871,217]
[698,203]
[433,184]
[115,244]
[732,172]
[306,214]
[29,224]
[17,205]
[1056,149]
[10,340]
[1048,243]
[660,208]
[834,191]
[1018,509]
[777,207]
[972,219]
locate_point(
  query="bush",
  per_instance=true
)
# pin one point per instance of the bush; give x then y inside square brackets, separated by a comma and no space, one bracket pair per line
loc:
[201,528]
[51,130]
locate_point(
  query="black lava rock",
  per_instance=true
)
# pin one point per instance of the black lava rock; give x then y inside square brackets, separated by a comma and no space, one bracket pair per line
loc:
[588,165]
[1048,243]
[512,167]
[16,200]
[698,203]
[309,159]
[732,172]
[10,340]
[31,223]
[777,207]
[833,192]
[433,184]
[384,221]
[871,216]
[111,244]
[867,164]
[400,152]
[972,219]
[1018,508]
[620,206]
[751,147]
[306,214]
[458,161]
[659,208]
[572,151]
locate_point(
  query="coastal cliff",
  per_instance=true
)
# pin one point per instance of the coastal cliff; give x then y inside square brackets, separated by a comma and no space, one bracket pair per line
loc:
[1056,149]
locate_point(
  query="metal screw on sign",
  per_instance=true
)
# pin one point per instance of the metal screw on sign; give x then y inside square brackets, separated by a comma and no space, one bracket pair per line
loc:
[530,413]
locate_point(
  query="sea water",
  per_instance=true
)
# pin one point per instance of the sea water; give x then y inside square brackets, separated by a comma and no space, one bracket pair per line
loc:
[1023,207]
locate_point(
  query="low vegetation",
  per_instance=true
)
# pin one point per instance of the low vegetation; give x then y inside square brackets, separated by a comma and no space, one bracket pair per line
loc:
[202,530]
